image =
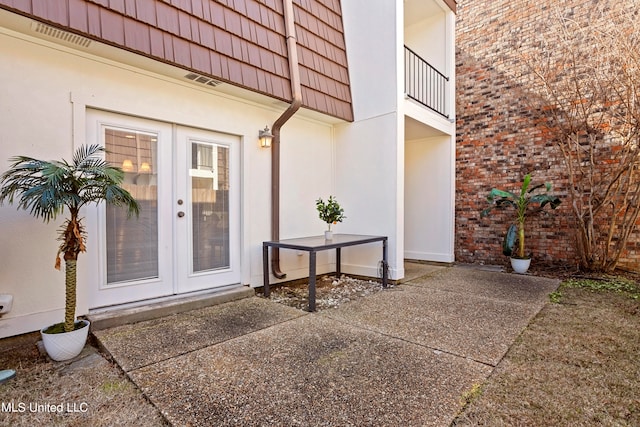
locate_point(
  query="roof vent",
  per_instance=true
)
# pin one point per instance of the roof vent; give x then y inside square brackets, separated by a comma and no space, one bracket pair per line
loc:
[75,39]
[203,79]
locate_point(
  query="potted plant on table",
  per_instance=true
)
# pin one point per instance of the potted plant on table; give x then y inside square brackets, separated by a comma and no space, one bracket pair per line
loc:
[331,213]
[45,189]
[521,202]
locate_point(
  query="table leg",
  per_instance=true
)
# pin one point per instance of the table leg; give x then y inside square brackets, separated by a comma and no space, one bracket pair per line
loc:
[385,264]
[312,281]
[265,269]
[338,262]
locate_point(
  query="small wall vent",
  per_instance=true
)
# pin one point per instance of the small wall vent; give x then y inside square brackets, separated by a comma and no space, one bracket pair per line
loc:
[203,79]
[75,39]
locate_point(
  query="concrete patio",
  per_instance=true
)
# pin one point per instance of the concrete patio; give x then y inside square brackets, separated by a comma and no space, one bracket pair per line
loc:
[402,356]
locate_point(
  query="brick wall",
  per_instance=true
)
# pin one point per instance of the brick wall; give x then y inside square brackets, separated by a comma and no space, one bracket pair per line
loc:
[500,138]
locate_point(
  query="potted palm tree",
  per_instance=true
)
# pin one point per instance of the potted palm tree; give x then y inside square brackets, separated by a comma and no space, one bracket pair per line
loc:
[331,213]
[521,202]
[44,189]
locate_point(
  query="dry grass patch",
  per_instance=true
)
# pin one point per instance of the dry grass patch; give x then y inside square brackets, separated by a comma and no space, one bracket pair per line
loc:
[87,391]
[575,365]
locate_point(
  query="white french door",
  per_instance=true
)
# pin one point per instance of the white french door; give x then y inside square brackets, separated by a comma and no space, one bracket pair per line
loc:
[207,204]
[187,236]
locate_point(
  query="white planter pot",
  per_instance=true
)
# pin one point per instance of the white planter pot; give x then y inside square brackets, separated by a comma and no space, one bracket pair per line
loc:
[328,235]
[66,345]
[520,266]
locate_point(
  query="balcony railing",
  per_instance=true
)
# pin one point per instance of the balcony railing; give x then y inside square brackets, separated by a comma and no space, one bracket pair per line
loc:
[425,84]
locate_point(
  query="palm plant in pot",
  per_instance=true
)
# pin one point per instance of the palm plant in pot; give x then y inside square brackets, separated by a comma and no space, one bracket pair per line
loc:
[522,203]
[331,213]
[45,188]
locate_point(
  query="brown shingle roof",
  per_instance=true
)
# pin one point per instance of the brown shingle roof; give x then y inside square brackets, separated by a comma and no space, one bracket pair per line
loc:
[238,41]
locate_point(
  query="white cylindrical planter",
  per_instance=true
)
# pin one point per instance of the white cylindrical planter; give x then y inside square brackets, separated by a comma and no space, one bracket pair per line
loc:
[520,266]
[66,345]
[328,235]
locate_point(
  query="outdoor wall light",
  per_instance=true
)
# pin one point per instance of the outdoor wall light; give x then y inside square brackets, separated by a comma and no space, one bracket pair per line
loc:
[145,168]
[265,137]
[127,165]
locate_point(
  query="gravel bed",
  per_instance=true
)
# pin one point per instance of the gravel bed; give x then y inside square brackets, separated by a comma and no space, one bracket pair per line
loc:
[331,291]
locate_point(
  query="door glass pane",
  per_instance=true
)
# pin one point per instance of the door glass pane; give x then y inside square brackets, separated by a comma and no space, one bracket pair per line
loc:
[209,175]
[132,243]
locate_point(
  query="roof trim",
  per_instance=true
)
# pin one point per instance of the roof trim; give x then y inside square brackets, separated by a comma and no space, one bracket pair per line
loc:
[240,42]
[453,5]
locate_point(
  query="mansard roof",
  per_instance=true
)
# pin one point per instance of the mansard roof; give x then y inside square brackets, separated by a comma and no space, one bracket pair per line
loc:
[241,42]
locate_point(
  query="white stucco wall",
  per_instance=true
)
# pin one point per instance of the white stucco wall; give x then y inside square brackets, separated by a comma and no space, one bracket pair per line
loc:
[46,88]
[420,38]
[429,210]
[430,160]
[369,152]
[383,176]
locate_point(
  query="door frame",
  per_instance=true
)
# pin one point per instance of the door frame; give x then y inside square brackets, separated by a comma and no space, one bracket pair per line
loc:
[98,295]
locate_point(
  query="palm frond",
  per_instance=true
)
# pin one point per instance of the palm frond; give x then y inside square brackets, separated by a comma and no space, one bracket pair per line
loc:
[46,188]
[86,153]
[29,181]
[118,196]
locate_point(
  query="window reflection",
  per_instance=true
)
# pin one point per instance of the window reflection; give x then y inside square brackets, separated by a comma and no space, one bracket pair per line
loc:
[132,243]
[209,175]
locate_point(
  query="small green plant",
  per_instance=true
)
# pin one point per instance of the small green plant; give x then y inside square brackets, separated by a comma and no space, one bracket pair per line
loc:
[114,387]
[330,212]
[470,395]
[555,297]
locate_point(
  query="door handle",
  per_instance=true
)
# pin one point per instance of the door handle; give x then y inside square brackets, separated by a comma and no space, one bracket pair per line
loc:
[180,214]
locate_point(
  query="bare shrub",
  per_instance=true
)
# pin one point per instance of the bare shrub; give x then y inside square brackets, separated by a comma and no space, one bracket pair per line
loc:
[585,76]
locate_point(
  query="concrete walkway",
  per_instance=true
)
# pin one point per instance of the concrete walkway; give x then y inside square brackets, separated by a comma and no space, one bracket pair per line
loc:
[402,356]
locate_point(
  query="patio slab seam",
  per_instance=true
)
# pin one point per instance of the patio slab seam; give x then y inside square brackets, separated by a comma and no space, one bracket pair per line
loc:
[417,288]
[103,348]
[395,337]
[525,304]
[365,313]
[428,275]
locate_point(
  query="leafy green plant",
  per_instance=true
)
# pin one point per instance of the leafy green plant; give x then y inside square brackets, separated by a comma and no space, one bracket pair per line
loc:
[45,188]
[330,212]
[521,202]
